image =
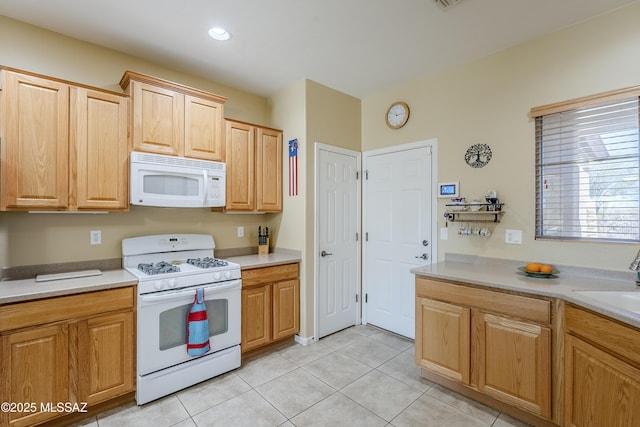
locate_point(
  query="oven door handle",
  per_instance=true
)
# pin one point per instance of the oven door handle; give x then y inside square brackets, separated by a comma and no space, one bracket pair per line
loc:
[164,296]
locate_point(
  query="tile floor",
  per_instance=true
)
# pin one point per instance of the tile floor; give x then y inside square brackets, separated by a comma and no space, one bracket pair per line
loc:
[362,376]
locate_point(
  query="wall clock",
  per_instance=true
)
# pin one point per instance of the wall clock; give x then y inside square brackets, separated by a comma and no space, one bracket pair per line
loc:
[478,155]
[397,115]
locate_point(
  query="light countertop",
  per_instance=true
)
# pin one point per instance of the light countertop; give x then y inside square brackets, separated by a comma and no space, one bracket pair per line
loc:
[12,291]
[503,274]
[277,257]
[28,289]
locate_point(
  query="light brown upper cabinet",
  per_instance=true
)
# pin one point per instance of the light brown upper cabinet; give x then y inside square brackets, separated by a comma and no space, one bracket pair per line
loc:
[173,119]
[254,168]
[63,146]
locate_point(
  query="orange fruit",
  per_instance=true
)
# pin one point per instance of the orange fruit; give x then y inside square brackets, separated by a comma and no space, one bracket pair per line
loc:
[532,267]
[545,268]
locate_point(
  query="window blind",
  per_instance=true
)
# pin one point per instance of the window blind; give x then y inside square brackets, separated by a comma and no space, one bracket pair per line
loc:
[588,172]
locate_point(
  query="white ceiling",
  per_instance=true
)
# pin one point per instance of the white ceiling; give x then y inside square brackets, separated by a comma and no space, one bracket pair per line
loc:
[355,46]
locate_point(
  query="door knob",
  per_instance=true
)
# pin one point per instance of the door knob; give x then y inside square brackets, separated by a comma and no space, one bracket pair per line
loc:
[325,253]
[423,256]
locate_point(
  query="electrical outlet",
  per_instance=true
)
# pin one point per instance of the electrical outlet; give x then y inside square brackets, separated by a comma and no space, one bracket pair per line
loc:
[96,237]
[240,231]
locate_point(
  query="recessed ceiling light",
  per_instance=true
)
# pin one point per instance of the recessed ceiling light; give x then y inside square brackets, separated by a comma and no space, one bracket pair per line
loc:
[219,33]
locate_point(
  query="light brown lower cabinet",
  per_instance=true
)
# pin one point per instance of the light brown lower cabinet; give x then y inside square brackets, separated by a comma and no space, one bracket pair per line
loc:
[270,305]
[65,350]
[602,369]
[514,362]
[492,343]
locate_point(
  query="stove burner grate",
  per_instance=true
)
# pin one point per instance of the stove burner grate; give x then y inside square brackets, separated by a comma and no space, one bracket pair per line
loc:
[161,267]
[207,262]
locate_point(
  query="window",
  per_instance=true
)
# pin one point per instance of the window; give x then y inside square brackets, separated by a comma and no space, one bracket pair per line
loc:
[588,168]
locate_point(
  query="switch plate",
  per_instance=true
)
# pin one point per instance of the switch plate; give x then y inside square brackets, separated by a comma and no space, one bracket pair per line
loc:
[513,237]
[96,237]
[444,233]
[240,231]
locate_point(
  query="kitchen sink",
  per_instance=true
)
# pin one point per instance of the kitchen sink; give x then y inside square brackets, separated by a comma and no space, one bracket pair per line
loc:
[625,300]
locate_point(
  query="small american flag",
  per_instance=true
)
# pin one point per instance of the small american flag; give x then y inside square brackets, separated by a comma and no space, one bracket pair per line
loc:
[293,167]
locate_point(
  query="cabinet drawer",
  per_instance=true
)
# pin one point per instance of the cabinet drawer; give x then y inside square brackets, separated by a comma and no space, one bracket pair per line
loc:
[259,276]
[619,338]
[39,312]
[536,310]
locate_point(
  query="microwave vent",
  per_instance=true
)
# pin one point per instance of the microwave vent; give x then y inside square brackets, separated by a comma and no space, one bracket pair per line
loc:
[176,161]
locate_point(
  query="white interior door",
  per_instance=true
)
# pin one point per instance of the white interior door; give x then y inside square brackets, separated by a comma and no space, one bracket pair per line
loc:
[338,253]
[398,233]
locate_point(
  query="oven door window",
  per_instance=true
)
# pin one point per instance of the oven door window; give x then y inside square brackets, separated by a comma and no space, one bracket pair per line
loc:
[173,323]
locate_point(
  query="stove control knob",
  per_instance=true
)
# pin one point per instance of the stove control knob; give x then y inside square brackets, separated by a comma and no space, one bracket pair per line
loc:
[159,285]
[216,276]
[227,275]
[172,283]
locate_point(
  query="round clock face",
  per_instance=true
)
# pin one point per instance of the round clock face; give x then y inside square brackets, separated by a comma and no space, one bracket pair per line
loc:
[397,115]
[478,155]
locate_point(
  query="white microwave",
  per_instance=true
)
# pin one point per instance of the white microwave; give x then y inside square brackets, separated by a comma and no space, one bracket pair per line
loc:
[176,182]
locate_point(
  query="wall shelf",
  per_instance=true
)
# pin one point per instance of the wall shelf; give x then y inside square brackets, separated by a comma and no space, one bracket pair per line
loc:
[464,215]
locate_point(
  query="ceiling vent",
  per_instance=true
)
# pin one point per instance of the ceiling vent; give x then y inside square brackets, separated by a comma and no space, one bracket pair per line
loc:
[446,4]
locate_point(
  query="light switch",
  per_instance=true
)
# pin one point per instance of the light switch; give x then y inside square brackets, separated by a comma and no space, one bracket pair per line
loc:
[444,234]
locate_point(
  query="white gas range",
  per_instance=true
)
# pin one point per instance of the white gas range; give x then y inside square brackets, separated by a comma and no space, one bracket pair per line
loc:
[170,268]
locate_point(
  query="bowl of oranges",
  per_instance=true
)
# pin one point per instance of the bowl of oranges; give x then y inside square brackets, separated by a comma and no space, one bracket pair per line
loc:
[536,269]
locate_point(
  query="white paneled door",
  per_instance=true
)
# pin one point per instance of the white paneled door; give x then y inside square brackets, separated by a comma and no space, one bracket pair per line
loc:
[398,233]
[338,254]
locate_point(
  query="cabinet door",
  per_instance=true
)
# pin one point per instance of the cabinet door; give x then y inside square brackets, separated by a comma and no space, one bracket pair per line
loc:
[256,317]
[286,309]
[158,119]
[600,389]
[443,338]
[34,370]
[203,129]
[105,357]
[35,141]
[99,150]
[514,362]
[268,170]
[240,159]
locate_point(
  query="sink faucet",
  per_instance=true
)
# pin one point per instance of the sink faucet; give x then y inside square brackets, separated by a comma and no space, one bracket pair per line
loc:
[635,266]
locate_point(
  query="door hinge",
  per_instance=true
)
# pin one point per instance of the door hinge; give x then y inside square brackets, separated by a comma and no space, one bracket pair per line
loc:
[366,298]
[357,175]
[357,237]
[356,297]
[366,174]
[366,236]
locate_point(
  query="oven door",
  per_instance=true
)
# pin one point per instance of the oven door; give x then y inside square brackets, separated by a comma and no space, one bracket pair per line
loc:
[162,324]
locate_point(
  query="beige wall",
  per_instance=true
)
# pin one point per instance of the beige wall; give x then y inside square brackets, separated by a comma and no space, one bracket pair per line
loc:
[332,118]
[311,113]
[288,113]
[488,101]
[27,239]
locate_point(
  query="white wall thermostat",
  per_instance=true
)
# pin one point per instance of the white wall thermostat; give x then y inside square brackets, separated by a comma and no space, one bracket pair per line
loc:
[448,189]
